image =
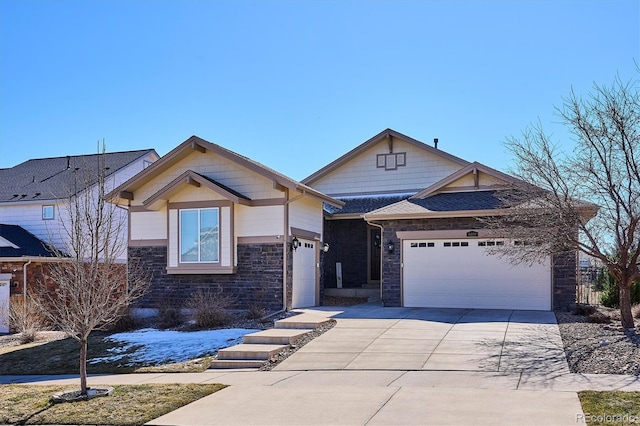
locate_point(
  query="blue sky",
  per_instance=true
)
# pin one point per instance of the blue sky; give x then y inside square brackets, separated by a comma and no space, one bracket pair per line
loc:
[296,84]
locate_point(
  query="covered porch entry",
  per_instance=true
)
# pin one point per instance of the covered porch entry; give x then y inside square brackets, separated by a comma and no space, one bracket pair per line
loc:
[352,266]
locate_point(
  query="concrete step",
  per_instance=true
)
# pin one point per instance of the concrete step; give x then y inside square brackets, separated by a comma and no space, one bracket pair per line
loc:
[250,351]
[304,321]
[275,336]
[236,363]
[372,294]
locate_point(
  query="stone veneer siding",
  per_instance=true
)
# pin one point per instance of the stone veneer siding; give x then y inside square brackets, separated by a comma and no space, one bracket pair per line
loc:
[564,269]
[258,279]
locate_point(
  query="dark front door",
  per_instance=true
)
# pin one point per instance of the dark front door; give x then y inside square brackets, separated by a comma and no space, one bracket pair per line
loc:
[375,242]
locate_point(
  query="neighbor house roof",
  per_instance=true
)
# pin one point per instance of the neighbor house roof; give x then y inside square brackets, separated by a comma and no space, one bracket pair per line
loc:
[389,135]
[16,241]
[52,178]
[194,143]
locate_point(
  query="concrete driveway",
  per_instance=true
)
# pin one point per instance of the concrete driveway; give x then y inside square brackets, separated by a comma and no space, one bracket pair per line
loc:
[407,366]
[368,337]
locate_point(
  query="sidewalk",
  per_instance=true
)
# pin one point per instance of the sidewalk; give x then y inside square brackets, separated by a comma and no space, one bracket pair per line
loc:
[373,397]
[571,382]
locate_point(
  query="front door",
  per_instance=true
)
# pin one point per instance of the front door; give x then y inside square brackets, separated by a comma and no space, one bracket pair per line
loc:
[375,243]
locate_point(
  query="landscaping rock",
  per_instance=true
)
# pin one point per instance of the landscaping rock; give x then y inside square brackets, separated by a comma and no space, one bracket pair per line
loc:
[598,348]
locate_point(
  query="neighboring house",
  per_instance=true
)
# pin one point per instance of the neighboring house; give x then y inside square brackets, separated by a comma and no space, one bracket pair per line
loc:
[33,201]
[206,218]
[409,229]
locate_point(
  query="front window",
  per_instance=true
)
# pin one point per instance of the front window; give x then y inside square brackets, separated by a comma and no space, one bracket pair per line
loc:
[199,235]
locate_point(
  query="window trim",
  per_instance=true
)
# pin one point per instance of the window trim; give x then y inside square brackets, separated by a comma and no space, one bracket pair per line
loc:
[199,261]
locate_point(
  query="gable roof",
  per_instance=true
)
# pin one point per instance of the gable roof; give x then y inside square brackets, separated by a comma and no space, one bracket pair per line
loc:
[194,143]
[16,241]
[51,178]
[197,180]
[469,203]
[471,169]
[389,135]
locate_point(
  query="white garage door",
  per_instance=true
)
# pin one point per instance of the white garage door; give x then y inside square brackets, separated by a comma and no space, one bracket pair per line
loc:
[460,274]
[304,274]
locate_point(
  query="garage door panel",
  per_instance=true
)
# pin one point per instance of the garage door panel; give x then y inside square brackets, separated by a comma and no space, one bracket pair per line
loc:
[466,276]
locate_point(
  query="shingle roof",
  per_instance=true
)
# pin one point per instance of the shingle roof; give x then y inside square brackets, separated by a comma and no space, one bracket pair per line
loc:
[51,178]
[361,205]
[457,201]
[403,204]
[443,202]
[226,188]
[27,243]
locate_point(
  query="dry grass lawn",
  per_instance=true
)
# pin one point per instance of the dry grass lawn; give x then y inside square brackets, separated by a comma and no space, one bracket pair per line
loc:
[128,405]
[607,408]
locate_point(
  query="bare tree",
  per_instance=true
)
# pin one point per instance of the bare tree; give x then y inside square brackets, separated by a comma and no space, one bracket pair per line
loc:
[586,200]
[93,286]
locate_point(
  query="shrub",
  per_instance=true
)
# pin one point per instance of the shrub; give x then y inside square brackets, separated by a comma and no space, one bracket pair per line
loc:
[635,311]
[25,319]
[599,318]
[168,313]
[256,311]
[610,296]
[584,309]
[209,308]
[126,322]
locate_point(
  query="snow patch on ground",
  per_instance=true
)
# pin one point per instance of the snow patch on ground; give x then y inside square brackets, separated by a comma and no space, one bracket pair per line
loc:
[156,347]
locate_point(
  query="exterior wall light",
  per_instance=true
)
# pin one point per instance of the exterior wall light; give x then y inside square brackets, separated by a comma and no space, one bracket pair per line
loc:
[295,243]
[325,247]
[390,246]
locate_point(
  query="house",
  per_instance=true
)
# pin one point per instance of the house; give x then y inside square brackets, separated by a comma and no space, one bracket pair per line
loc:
[33,201]
[205,218]
[409,231]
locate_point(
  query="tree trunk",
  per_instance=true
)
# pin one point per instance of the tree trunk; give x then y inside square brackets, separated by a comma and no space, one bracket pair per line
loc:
[83,365]
[626,318]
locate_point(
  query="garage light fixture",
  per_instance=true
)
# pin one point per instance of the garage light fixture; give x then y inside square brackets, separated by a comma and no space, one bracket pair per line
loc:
[325,247]
[295,243]
[390,246]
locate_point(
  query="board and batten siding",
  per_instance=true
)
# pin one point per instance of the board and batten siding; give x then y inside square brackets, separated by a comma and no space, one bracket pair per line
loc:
[360,175]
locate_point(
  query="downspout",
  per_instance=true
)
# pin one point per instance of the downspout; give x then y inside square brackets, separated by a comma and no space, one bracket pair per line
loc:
[24,288]
[381,251]
[286,244]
